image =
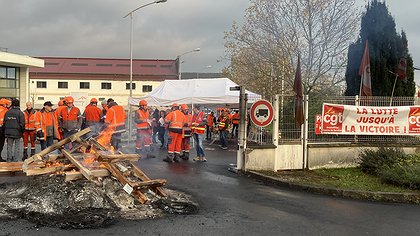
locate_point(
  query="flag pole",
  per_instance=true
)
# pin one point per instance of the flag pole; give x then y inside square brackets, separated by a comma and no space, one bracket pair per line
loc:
[393,88]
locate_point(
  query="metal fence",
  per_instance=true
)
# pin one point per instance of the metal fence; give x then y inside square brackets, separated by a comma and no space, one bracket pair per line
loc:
[290,132]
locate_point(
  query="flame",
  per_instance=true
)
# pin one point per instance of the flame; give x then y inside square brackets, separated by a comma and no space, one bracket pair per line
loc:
[53,163]
[105,139]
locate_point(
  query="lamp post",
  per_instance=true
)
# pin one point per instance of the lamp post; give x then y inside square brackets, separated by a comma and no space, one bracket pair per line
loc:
[206,67]
[131,61]
[179,60]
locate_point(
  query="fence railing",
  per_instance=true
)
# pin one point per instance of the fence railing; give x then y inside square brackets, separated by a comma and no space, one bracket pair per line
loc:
[290,132]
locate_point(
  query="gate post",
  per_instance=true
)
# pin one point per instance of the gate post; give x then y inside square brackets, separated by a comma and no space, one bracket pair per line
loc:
[276,124]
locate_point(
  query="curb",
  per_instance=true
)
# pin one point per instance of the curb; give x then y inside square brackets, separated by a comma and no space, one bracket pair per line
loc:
[413,198]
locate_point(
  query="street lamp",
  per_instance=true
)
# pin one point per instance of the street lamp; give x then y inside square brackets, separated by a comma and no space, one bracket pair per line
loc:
[206,67]
[131,61]
[131,39]
[179,60]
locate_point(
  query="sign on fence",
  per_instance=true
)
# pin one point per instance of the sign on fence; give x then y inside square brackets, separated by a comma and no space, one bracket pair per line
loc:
[261,113]
[364,120]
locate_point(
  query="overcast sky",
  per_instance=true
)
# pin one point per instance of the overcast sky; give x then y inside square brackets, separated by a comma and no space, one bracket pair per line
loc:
[96,28]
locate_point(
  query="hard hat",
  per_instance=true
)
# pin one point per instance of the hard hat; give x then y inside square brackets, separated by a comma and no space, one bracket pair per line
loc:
[69,99]
[93,100]
[143,103]
[184,107]
[175,105]
[3,101]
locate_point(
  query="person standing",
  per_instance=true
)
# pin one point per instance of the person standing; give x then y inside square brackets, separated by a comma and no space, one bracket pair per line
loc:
[46,125]
[162,128]
[115,122]
[104,105]
[223,126]
[144,130]
[14,125]
[199,127]
[29,133]
[70,119]
[235,124]
[155,125]
[187,131]
[3,110]
[57,111]
[92,117]
[175,120]
[211,119]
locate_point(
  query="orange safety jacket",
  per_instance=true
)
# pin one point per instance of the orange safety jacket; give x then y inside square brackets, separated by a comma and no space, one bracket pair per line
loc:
[70,119]
[92,115]
[175,119]
[235,119]
[198,127]
[223,123]
[141,119]
[29,119]
[188,125]
[46,121]
[3,111]
[210,120]
[115,118]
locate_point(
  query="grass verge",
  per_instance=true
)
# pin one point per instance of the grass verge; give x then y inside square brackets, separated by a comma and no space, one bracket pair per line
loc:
[341,178]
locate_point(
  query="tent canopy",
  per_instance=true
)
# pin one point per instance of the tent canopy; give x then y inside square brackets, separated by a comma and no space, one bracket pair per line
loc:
[194,91]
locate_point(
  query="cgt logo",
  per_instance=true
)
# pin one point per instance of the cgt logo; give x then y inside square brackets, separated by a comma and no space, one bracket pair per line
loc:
[414,120]
[332,120]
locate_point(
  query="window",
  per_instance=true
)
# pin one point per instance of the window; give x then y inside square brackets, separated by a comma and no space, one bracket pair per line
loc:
[61,98]
[147,88]
[84,85]
[41,84]
[41,98]
[105,85]
[133,86]
[101,99]
[147,65]
[63,85]
[103,64]
[79,64]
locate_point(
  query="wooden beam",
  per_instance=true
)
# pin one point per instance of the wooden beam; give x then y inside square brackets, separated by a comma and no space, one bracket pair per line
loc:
[74,175]
[47,170]
[116,157]
[54,147]
[10,166]
[142,176]
[150,183]
[85,171]
[123,180]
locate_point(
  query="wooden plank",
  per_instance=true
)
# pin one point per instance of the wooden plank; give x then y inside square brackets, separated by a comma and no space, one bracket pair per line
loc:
[53,157]
[54,147]
[10,166]
[116,157]
[74,175]
[47,170]
[142,176]
[150,183]
[85,171]
[123,180]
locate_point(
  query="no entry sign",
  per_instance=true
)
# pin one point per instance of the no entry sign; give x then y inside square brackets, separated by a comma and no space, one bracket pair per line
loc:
[261,113]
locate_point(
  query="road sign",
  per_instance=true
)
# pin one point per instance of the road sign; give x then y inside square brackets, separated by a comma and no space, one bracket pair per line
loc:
[261,113]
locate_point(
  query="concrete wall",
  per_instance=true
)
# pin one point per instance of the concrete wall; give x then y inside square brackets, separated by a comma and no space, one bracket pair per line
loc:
[82,97]
[260,158]
[289,157]
[24,87]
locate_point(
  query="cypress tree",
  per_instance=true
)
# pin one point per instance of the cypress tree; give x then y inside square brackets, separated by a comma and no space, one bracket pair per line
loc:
[386,48]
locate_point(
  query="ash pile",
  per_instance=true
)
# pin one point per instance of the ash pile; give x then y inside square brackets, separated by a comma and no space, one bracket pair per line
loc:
[88,186]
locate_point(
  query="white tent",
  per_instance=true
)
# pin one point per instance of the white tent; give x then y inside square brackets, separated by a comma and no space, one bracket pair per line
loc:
[194,91]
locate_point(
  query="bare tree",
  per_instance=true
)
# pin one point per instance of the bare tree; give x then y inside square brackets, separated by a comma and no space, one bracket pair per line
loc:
[264,49]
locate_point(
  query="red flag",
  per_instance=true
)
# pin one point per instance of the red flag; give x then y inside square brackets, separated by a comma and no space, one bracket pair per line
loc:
[298,89]
[364,72]
[402,69]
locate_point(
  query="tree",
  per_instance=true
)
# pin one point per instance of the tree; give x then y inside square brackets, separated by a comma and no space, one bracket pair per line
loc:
[386,48]
[264,50]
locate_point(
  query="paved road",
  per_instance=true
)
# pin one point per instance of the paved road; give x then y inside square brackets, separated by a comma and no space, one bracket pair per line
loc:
[238,205]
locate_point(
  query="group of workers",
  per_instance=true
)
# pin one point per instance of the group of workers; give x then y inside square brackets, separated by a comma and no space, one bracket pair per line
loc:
[49,124]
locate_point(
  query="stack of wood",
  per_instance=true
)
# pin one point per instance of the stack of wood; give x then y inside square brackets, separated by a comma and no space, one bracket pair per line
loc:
[88,159]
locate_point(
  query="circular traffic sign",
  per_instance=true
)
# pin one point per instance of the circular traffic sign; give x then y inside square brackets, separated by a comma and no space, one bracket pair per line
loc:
[261,113]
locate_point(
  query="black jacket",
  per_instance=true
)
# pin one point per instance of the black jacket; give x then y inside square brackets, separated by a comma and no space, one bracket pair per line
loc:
[14,123]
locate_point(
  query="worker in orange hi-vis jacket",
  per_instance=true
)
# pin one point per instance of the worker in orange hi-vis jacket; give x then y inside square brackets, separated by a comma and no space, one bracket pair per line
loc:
[175,120]
[92,117]
[3,110]
[70,119]
[187,128]
[29,133]
[144,130]
[115,122]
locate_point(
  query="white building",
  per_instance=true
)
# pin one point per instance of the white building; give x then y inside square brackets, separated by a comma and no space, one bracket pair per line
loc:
[86,78]
[14,75]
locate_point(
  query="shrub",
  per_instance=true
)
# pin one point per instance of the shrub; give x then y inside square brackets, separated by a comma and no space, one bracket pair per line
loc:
[405,175]
[372,162]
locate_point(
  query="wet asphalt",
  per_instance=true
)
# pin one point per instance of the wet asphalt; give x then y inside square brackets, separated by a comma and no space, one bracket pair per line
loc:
[238,205]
